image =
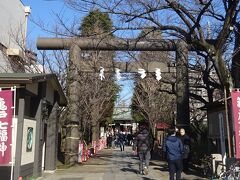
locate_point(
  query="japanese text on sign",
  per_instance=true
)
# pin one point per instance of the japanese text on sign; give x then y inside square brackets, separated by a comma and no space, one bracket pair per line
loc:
[5,126]
[236,114]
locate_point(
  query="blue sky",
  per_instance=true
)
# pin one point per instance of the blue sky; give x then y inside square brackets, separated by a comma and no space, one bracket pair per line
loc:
[127,90]
[43,11]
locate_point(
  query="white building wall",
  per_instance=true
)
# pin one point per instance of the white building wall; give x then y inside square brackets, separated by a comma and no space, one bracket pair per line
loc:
[13,23]
[13,26]
[4,64]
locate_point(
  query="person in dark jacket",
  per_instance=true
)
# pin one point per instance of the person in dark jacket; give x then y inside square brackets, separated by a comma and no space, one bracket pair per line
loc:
[121,140]
[144,143]
[186,148]
[173,148]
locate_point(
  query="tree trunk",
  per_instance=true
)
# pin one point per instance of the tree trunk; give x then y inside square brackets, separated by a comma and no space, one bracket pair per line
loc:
[95,131]
[236,59]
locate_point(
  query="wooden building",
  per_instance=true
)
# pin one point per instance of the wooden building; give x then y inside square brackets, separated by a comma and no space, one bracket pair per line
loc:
[38,100]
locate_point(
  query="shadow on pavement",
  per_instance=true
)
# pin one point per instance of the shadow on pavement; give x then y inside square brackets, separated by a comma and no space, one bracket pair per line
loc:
[136,172]
[195,172]
[190,173]
[77,178]
[161,168]
[130,170]
[146,178]
[156,163]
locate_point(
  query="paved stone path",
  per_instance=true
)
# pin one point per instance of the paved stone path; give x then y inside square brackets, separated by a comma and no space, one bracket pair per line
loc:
[112,164]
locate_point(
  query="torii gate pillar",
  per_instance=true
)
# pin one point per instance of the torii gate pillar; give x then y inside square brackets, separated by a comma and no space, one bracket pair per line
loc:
[182,86]
[72,121]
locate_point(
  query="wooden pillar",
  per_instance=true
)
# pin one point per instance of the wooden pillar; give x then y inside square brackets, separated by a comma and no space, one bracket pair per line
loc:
[37,167]
[18,152]
[72,121]
[182,85]
[51,145]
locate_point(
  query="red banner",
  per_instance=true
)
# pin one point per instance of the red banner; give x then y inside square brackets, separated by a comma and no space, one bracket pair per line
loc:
[80,152]
[5,126]
[236,116]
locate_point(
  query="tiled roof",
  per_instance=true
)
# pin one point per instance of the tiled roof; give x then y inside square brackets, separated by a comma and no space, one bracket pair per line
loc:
[122,113]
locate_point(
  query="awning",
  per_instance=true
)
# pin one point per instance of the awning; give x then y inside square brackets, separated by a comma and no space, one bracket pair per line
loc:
[162,125]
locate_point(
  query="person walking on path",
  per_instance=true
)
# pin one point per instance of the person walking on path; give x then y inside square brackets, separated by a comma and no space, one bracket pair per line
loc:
[109,140]
[173,148]
[143,142]
[121,140]
[186,148]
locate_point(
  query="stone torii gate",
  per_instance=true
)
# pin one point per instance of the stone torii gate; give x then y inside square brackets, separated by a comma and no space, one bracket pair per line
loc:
[75,45]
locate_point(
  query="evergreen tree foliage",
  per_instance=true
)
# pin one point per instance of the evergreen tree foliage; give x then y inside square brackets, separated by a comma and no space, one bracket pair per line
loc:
[99,95]
[96,23]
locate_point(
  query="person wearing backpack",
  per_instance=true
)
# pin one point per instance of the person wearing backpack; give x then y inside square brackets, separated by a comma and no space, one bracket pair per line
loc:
[186,149]
[144,142]
[173,148]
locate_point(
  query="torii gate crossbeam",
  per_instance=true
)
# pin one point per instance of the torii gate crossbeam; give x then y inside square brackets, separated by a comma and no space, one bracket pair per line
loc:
[75,45]
[109,44]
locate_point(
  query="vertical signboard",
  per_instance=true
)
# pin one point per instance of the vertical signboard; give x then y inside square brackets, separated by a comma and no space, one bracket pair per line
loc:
[5,126]
[222,133]
[236,116]
[80,152]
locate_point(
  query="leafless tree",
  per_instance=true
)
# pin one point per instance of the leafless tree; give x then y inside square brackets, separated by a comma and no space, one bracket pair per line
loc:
[180,19]
[152,104]
[152,98]
[16,56]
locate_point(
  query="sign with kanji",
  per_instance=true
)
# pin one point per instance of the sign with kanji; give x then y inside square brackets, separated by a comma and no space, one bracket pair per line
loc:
[236,116]
[5,126]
